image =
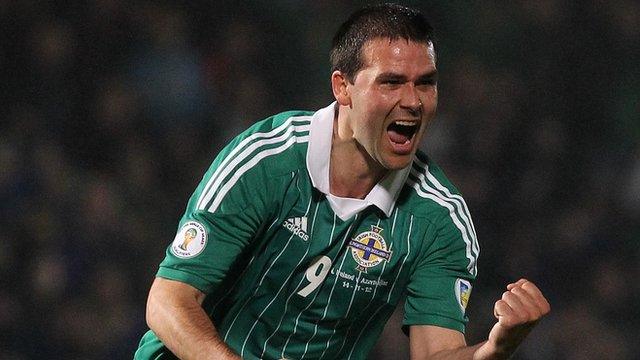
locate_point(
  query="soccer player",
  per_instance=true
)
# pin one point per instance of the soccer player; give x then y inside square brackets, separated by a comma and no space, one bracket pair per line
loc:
[309,227]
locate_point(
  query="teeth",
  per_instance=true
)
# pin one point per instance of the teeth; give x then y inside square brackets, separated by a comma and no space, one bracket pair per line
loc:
[405,123]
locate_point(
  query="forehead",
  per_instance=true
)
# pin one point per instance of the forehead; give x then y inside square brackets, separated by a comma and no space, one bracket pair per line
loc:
[398,55]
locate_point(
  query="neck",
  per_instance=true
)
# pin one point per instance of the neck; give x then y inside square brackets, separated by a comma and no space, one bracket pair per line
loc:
[352,172]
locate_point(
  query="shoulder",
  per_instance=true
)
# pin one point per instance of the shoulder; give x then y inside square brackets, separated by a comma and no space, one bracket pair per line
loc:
[428,192]
[273,146]
[287,119]
[255,160]
[432,197]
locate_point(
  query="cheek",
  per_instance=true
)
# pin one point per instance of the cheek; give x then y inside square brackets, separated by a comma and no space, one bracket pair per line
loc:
[430,102]
[381,105]
[376,97]
[387,100]
[430,110]
[373,105]
[434,96]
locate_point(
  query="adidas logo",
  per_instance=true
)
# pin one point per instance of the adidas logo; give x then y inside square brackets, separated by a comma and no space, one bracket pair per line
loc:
[298,226]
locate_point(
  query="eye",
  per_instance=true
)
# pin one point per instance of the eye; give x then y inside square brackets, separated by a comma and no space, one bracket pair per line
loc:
[427,81]
[392,82]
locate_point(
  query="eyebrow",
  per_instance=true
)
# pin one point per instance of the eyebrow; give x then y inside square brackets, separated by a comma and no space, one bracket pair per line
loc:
[431,75]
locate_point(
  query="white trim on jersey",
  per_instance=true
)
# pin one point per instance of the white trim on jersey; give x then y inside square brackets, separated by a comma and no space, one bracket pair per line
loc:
[469,233]
[454,217]
[250,164]
[457,200]
[393,225]
[333,227]
[231,160]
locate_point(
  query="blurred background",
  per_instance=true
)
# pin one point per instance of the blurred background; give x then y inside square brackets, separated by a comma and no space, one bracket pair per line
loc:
[111,110]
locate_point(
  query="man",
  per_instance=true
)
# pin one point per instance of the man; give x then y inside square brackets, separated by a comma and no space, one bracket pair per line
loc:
[309,227]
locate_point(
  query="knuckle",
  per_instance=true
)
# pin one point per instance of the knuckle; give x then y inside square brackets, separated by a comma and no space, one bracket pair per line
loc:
[529,286]
[517,291]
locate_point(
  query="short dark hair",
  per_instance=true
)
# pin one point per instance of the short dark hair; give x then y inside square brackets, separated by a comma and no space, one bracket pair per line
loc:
[391,21]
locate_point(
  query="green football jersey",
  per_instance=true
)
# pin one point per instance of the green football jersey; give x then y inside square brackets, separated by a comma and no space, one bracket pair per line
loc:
[291,271]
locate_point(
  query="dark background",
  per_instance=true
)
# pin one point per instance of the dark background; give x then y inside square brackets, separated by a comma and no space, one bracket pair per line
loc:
[111,110]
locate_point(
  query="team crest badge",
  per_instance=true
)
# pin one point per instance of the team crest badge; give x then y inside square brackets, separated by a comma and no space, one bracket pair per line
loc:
[463,291]
[369,249]
[190,240]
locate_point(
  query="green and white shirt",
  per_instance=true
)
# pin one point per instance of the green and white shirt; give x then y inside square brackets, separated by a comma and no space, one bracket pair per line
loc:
[291,271]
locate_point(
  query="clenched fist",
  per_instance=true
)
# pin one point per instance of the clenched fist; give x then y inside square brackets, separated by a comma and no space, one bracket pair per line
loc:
[518,311]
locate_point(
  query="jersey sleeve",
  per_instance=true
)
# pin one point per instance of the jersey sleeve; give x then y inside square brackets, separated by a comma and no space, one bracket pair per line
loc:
[223,216]
[441,283]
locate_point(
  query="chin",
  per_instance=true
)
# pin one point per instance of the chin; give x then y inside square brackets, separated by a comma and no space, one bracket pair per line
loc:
[398,162]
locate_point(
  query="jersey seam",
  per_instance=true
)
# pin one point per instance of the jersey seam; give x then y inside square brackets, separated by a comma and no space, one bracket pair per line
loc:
[190,274]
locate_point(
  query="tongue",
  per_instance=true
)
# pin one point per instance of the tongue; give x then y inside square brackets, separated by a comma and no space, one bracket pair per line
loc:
[397,137]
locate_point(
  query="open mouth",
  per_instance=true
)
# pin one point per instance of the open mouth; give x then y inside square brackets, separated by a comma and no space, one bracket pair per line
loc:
[401,134]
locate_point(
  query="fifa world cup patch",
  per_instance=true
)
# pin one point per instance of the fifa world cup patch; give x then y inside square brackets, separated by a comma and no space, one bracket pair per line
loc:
[463,292]
[190,240]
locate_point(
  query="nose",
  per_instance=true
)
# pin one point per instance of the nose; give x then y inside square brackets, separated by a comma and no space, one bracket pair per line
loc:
[410,99]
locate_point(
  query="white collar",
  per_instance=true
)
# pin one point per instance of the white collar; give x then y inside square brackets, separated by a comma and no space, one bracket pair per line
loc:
[383,195]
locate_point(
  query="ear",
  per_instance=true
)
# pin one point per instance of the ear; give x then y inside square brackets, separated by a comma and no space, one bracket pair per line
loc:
[339,86]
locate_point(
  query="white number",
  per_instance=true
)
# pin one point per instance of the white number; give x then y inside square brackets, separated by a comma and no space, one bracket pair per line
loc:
[316,274]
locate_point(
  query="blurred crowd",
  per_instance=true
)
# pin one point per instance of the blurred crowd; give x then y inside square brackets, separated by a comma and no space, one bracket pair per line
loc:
[111,111]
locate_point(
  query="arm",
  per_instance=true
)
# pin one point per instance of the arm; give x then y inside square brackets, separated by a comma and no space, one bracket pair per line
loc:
[518,311]
[175,315]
